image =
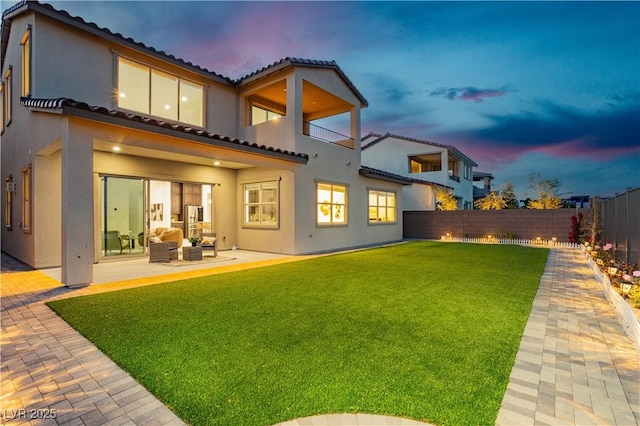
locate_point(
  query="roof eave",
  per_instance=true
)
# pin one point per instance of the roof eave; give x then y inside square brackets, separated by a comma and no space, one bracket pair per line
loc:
[168,131]
[132,121]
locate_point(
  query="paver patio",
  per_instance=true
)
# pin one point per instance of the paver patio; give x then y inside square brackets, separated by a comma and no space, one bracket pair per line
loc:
[574,365]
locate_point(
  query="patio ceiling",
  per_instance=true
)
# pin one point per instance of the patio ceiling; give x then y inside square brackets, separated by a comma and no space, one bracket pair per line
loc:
[108,146]
[316,102]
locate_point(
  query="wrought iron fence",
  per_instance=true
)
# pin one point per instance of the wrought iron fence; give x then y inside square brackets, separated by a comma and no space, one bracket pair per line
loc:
[327,135]
[621,224]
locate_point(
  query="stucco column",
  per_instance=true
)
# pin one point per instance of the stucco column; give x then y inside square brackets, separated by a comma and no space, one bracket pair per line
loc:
[77,208]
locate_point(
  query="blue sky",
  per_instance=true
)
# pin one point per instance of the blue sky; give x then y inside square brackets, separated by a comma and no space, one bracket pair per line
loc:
[520,87]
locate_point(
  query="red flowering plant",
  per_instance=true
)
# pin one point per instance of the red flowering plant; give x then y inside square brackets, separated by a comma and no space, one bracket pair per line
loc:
[575,236]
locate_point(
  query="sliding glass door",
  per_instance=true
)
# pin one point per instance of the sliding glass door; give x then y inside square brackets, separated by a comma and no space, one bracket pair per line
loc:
[123,216]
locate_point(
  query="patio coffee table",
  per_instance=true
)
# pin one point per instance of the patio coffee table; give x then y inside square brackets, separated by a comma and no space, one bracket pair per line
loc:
[191,253]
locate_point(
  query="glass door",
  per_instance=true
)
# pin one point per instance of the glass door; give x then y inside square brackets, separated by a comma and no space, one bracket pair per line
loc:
[123,216]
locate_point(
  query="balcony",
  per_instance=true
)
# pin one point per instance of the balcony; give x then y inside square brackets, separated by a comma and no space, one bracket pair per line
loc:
[454,177]
[326,135]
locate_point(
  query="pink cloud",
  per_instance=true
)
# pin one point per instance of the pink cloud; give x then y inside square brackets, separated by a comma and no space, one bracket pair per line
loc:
[477,95]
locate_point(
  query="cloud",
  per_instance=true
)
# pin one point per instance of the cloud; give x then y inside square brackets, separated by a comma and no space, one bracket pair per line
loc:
[559,131]
[472,94]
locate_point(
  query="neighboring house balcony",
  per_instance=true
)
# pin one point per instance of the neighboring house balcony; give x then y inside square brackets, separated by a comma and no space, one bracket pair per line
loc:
[429,166]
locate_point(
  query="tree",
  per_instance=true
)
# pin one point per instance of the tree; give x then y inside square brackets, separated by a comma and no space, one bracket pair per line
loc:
[546,190]
[592,223]
[492,201]
[445,199]
[509,197]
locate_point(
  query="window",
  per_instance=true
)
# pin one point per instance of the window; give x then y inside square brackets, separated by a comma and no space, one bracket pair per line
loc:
[26,63]
[261,204]
[467,172]
[1,107]
[453,168]
[150,91]
[7,97]
[382,206]
[425,163]
[26,199]
[331,203]
[416,166]
[9,190]
[262,115]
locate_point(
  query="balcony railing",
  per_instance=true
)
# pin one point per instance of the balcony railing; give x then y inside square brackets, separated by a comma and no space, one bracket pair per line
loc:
[327,135]
[454,177]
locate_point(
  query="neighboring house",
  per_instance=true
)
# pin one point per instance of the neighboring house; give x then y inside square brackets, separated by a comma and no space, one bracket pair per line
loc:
[427,164]
[105,138]
[481,184]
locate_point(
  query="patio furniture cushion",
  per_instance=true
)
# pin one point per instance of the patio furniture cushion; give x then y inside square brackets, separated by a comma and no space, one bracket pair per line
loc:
[209,242]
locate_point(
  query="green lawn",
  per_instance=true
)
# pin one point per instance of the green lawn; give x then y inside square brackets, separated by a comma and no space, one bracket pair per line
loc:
[423,330]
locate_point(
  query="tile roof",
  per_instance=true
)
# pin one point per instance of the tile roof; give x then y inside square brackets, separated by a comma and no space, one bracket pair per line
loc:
[379,138]
[381,174]
[83,110]
[91,27]
[482,175]
[300,62]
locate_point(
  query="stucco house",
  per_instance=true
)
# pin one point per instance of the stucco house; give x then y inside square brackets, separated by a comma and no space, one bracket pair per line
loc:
[103,136]
[423,162]
[481,184]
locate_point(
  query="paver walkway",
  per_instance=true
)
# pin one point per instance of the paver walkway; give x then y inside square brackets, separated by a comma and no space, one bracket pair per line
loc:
[574,365]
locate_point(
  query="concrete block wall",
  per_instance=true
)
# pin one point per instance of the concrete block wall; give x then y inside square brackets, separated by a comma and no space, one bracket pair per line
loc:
[523,223]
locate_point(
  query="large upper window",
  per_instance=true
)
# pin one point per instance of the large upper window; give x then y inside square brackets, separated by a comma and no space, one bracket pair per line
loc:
[149,91]
[26,63]
[261,204]
[331,204]
[382,206]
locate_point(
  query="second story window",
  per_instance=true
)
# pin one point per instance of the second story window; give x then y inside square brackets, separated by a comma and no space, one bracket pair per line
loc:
[26,63]
[1,107]
[149,91]
[7,97]
[261,115]
[425,163]
[468,173]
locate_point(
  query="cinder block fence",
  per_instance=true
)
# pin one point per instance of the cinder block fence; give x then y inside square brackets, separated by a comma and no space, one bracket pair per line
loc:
[522,223]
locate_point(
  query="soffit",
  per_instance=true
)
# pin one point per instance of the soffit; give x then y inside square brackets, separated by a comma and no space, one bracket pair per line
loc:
[107,146]
[316,102]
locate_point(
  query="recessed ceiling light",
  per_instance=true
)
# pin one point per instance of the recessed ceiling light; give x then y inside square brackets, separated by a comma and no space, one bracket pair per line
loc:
[216,163]
[116,148]
[183,99]
[167,107]
[123,95]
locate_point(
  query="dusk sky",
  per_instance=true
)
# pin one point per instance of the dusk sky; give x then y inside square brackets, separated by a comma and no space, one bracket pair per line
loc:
[519,87]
